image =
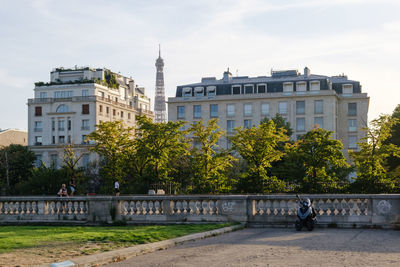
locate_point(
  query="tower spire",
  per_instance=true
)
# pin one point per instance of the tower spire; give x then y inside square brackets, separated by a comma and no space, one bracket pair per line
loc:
[160,111]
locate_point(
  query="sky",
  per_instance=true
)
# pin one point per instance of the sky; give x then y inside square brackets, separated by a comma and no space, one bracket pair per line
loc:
[360,38]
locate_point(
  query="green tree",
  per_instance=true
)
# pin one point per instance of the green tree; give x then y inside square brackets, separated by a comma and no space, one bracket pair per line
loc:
[157,146]
[280,123]
[323,159]
[114,143]
[209,163]
[258,146]
[371,159]
[16,165]
[393,163]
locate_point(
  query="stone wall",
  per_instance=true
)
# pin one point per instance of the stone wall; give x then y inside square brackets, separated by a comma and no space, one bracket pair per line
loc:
[346,211]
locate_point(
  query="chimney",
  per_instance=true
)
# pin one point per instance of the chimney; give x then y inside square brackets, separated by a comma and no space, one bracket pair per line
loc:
[306,72]
[227,75]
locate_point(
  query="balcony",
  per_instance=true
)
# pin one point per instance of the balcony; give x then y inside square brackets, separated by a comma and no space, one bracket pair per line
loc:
[37,129]
[85,128]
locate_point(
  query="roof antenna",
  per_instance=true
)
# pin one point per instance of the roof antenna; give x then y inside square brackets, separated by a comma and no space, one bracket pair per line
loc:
[159,50]
[237,72]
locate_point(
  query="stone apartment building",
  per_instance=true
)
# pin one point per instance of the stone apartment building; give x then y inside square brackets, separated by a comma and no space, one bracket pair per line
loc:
[305,100]
[66,109]
[13,137]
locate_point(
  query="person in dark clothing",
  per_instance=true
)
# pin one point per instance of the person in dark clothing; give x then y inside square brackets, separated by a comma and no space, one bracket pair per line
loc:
[72,186]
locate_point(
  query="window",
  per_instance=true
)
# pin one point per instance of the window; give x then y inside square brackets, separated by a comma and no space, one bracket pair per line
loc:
[300,124]
[61,125]
[85,160]
[287,87]
[261,88]
[187,92]
[114,112]
[53,139]
[352,125]
[230,110]
[248,109]
[61,139]
[265,109]
[53,125]
[301,87]
[84,141]
[348,89]
[43,95]
[38,160]
[352,109]
[282,108]
[129,116]
[38,111]
[38,140]
[319,122]
[353,141]
[300,107]
[69,125]
[122,114]
[62,108]
[100,108]
[63,94]
[107,110]
[85,93]
[236,89]
[213,110]
[247,124]
[85,125]
[85,109]
[314,86]
[181,112]
[197,111]
[101,94]
[318,106]
[230,126]
[228,143]
[199,91]
[38,126]
[211,90]
[248,89]
[53,160]
[69,139]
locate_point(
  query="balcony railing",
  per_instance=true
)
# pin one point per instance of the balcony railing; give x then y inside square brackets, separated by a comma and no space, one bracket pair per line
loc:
[85,128]
[89,98]
[36,129]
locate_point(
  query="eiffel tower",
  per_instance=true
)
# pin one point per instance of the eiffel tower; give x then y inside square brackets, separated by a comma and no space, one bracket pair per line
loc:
[159,103]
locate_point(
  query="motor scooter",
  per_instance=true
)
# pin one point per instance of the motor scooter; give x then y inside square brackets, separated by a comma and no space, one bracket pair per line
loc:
[306,215]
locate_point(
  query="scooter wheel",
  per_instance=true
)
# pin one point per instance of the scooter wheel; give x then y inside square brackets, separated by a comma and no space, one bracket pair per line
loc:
[298,225]
[310,224]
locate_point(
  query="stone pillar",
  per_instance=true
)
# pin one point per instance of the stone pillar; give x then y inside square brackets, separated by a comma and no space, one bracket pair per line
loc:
[100,209]
[234,208]
[385,210]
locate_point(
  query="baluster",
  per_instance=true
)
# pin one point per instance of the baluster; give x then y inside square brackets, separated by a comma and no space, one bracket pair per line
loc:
[192,207]
[199,209]
[212,207]
[130,208]
[345,207]
[81,207]
[268,207]
[69,207]
[151,207]
[328,206]
[259,206]
[139,208]
[34,207]
[58,207]
[284,207]
[291,207]
[75,205]
[1,207]
[157,207]
[177,207]
[145,207]
[275,207]
[204,207]
[185,207]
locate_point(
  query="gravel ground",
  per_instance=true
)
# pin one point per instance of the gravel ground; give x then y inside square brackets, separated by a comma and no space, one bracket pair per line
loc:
[282,247]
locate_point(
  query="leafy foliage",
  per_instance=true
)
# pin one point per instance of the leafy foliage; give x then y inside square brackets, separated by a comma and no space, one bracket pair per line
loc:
[371,159]
[322,158]
[258,146]
[209,166]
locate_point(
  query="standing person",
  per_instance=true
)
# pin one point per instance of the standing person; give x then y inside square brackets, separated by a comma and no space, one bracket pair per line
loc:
[116,187]
[63,193]
[72,186]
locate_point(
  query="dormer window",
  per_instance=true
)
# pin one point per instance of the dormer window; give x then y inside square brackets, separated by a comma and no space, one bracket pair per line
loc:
[287,87]
[262,88]
[211,90]
[187,92]
[248,89]
[347,89]
[301,87]
[314,86]
[236,89]
[199,91]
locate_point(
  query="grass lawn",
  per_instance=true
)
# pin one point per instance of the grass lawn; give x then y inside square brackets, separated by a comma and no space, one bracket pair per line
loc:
[25,237]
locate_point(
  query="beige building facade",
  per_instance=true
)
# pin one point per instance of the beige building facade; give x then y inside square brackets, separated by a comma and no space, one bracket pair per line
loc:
[305,100]
[68,108]
[13,137]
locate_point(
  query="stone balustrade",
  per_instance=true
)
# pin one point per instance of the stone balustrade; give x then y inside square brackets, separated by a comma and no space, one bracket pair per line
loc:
[254,210]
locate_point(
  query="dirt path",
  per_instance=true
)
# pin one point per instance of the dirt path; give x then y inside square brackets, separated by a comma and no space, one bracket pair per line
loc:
[282,247]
